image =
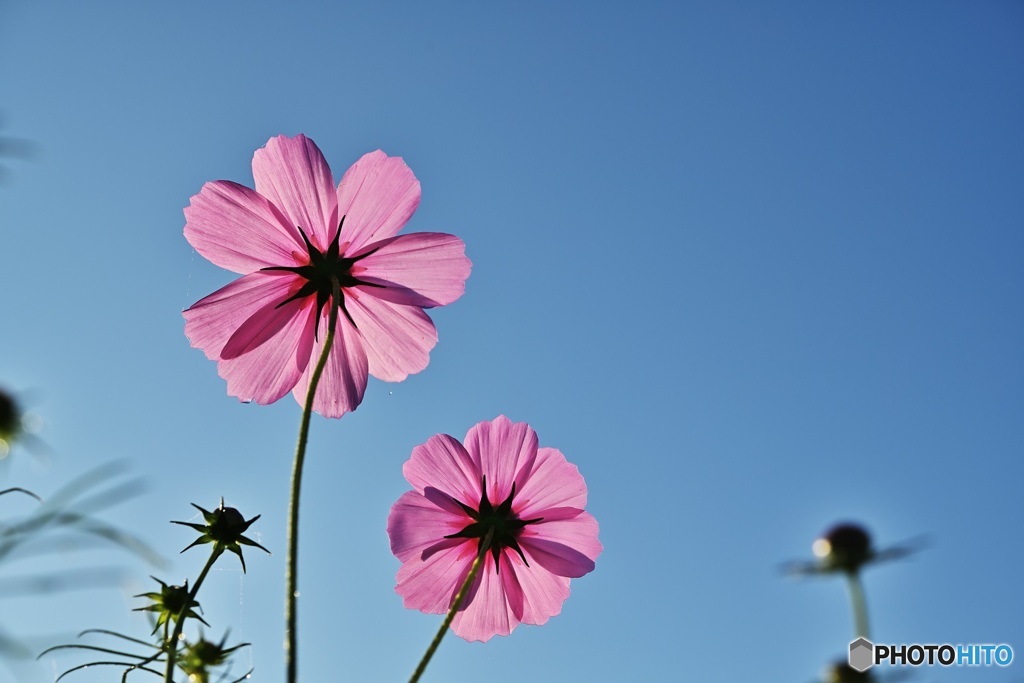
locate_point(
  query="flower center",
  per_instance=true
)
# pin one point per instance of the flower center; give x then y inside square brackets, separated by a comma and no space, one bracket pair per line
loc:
[324,269]
[504,523]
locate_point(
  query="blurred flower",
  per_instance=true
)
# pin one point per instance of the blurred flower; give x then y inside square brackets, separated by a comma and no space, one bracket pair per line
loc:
[529,500]
[18,426]
[844,547]
[169,603]
[841,672]
[10,422]
[225,528]
[199,657]
[847,547]
[293,239]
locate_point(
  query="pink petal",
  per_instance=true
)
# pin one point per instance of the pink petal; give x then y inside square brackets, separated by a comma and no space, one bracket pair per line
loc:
[422,269]
[566,547]
[211,321]
[489,613]
[416,525]
[377,196]
[504,451]
[270,356]
[236,228]
[543,592]
[510,585]
[554,482]
[397,339]
[293,174]
[263,326]
[430,585]
[343,381]
[443,463]
[269,371]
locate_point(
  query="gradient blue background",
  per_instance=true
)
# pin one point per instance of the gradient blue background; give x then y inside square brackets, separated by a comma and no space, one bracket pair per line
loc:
[755,268]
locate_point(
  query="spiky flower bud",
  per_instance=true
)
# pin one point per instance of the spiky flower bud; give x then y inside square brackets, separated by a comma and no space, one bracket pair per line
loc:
[199,657]
[169,603]
[224,527]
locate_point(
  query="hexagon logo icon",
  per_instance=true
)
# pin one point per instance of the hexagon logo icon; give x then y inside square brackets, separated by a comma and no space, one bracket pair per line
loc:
[862,655]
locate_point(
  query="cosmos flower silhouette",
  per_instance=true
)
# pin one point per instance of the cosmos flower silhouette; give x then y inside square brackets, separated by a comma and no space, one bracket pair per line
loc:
[529,500]
[293,239]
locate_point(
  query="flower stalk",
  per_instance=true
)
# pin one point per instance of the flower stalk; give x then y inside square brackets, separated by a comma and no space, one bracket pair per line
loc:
[858,604]
[179,623]
[474,569]
[292,562]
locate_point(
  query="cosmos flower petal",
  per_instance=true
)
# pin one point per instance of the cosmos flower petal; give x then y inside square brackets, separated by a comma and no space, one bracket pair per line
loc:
[261,327]
[377,196]
[293,174]
[430,585]
[238,229]
[488,613]
[267,371]
[511,587]
[415,524]
[554,483]
[505,452]
[343,381]
[448,502]
[422,269]
[442,463]
[566,547]
[398,339]
[212,320]
[543,593]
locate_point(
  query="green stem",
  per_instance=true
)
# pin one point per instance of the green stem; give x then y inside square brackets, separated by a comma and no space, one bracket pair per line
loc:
[179,623]
[456,604]
[859,605]
[291,576]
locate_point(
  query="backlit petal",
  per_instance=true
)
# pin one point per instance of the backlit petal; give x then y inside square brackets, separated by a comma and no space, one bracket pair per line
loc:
[488,613]
[422,269]
[211,321]
[236,228]
[443,463]
[397,339]
[543,592]
[377,196]
[293,174]
[553,483]
[343,381]
[566,547]
[270,363]
[505,452]
[430,585]
[415,525]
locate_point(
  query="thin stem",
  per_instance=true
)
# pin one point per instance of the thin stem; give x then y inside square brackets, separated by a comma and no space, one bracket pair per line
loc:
[456,604]
[179,623]
[858,604]
[18,489]
[291,577]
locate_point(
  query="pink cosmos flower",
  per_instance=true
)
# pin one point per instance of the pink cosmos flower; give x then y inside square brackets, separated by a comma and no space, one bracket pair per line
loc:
[289,238]
[531,497]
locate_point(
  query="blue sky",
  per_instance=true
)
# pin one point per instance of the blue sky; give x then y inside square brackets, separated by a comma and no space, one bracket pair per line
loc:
[754,268]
